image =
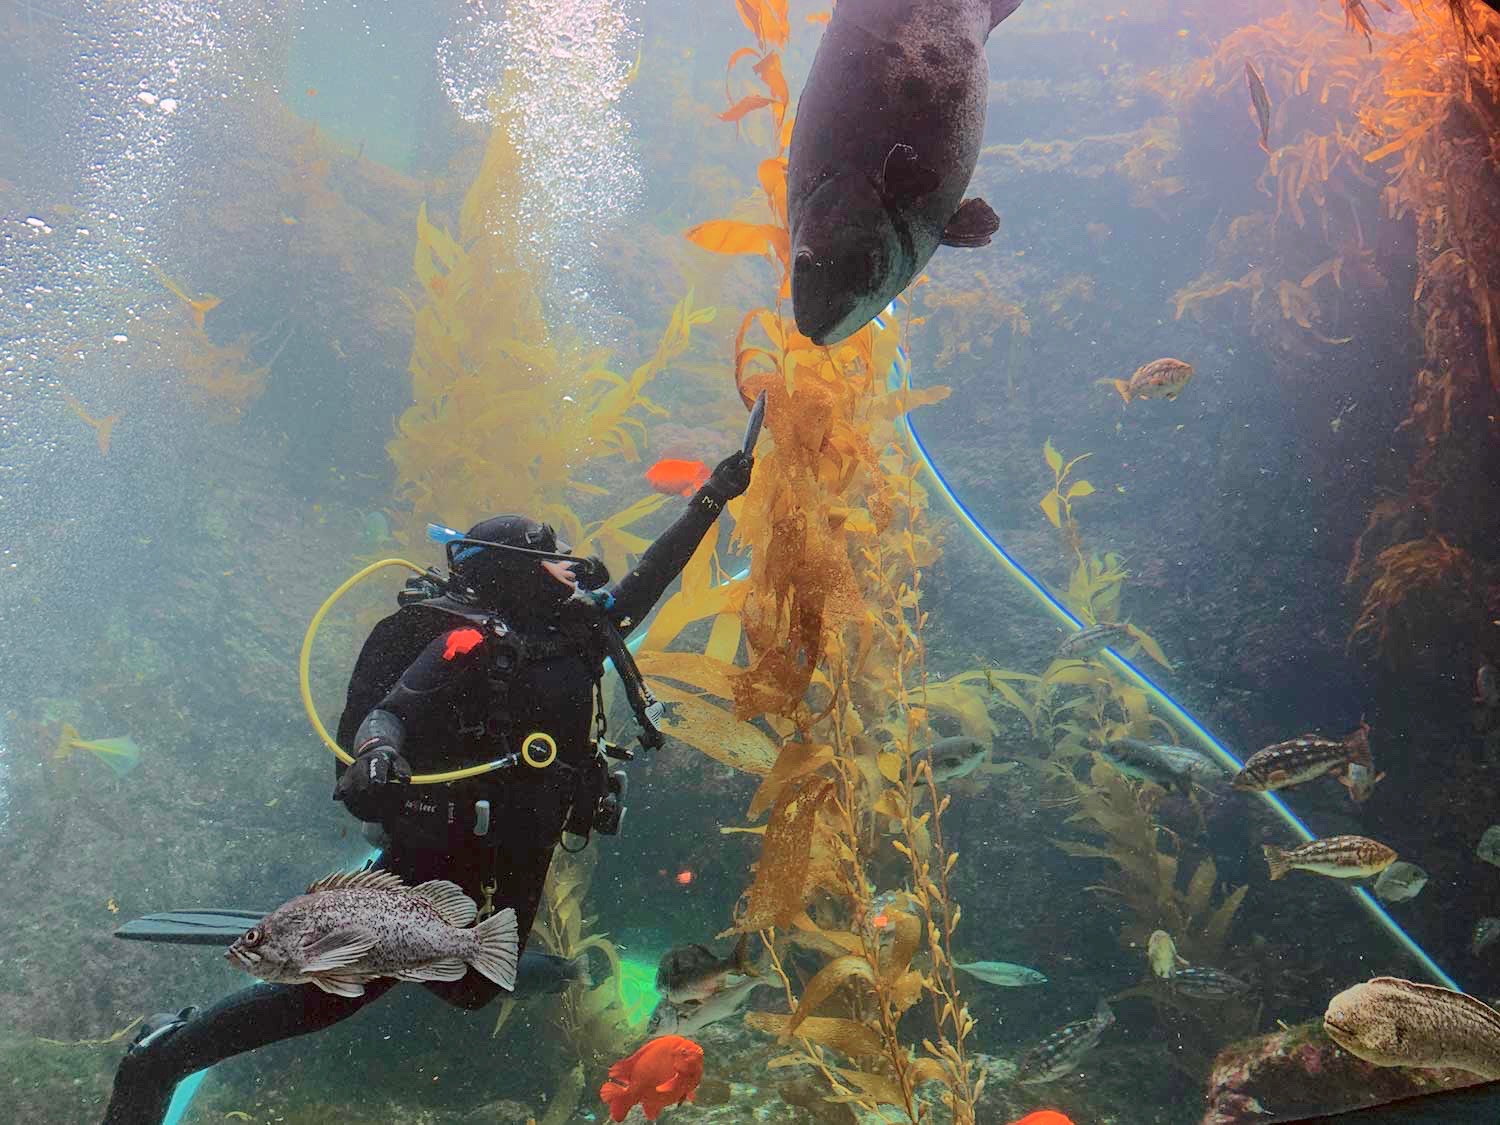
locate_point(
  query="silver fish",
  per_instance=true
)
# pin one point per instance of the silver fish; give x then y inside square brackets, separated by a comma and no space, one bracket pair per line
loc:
[954,758]
[1392,1022]
[1059,1054]
[690,1018]
[1487,686]
[351,927]
[694,972]
[1168,766]
[1400,881]
[1198,982]
[1093,640]
[1486,930]
[1002,973]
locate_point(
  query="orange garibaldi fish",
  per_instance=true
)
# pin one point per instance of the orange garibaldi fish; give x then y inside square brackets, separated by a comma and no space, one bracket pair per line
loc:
[1045,1117]
[682,478]
[666,1071]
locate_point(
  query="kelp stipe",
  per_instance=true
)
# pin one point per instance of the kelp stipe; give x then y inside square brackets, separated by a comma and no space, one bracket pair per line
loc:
[589,1018]
[831,621]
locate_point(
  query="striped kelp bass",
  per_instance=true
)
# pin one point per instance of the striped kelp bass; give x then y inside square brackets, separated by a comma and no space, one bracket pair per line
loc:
[1341,857]
[1303,758]
[352,927]
[1060,1053]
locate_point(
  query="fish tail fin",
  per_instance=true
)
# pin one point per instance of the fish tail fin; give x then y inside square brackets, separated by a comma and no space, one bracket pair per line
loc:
[578,970]
[742,962]
[1276,860]
[499,948]
[1265,148]
[613,1094]
[1123,387]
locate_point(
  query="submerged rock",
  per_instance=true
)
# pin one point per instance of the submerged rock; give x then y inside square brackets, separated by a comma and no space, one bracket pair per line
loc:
[1292,1074]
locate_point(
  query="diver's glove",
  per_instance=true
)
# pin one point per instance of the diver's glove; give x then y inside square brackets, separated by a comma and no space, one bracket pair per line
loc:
[369,774]
[729,479]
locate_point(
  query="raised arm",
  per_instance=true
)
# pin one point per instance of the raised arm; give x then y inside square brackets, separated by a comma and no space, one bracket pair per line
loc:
[663,561]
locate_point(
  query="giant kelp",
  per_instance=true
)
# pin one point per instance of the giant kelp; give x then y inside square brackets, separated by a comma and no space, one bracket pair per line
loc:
[1436,133]
[590,1019]
[1292,259]
[831,623]
[484,362]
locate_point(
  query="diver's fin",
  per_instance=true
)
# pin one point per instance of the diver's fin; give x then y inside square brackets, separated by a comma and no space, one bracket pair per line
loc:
[191,927]
[999,9]
[973,224]
[336,949]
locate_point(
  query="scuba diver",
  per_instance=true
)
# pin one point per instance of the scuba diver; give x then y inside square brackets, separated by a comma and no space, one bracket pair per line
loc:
[501,659]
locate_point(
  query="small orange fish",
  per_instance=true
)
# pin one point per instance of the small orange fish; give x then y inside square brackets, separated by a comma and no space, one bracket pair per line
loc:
[681,477]
[1045,1117]
[666,1071]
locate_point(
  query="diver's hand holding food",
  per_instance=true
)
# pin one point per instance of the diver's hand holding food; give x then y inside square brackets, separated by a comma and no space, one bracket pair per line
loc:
[373,770]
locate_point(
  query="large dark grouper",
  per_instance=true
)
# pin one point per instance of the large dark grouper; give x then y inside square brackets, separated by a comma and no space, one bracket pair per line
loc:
[886,137]
[350,928]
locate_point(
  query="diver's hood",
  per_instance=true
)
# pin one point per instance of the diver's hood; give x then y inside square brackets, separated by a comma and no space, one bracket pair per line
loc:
[501,560]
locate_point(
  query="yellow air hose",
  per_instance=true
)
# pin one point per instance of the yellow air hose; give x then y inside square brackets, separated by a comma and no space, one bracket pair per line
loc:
[304,660]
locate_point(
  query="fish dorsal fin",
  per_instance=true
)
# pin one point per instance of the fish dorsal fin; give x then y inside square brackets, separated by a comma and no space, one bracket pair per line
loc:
[1000,9]
[368,879]
[449,900]
[903,177]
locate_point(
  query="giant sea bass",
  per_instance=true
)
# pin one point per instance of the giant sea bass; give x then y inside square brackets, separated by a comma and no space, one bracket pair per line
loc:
[886,137]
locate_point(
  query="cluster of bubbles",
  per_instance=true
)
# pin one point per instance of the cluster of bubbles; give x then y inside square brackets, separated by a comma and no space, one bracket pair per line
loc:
[582,170]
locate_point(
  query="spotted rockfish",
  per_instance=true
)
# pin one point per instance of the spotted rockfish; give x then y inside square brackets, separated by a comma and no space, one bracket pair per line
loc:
[1060,1053]
[1342,857]
[352,927]
[1300,759]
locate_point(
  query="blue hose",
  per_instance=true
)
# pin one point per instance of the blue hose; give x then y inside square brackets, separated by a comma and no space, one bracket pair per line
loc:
[1169,705]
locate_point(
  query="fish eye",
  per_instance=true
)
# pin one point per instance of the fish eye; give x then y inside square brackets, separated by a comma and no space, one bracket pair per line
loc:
[253,937]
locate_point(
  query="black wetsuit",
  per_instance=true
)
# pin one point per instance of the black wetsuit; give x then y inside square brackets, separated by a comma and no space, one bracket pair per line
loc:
[459,677]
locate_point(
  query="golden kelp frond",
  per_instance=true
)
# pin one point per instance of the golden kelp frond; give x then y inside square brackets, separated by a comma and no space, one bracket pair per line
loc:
[834,521]
[1146,165]
[1145,876]
[591,1020]
[1208,287]
[221,379]
[1094,587]
[1430,569]
[1057,504]
[968,319]
[485,362]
